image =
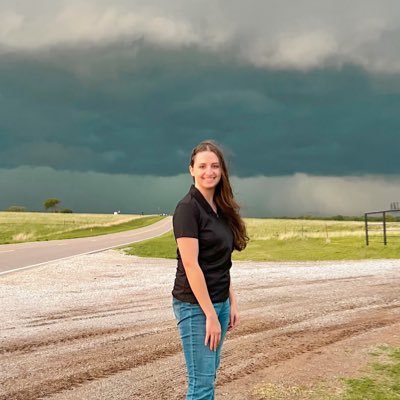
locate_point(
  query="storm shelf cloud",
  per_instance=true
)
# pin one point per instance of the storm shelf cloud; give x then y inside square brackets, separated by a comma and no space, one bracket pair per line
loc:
[261,196]
[143,109]
[271,33]
[305,89]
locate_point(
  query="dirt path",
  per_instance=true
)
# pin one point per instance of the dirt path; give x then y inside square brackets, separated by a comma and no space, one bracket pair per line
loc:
[101,326]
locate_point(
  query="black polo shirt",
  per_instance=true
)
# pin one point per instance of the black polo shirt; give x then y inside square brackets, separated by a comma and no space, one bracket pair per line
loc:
[195,218]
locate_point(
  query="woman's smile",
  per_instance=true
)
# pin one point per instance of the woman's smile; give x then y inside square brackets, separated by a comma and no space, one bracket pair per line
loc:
[206,170]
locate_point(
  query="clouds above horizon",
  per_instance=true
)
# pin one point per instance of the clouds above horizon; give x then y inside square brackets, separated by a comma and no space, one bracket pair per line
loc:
[140,110]
[294,195]
[267,34]
[303,96]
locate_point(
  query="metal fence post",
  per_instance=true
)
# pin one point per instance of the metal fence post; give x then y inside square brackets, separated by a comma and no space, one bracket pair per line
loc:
[366,228]
[384,229]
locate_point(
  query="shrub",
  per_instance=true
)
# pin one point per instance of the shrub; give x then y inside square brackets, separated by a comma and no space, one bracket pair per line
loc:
[51,204]
[16,209]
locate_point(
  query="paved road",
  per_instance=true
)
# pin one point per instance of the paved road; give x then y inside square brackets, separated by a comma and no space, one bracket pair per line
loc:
[18,256]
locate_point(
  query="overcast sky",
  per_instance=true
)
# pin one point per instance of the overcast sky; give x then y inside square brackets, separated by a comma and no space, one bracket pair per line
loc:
[304,97]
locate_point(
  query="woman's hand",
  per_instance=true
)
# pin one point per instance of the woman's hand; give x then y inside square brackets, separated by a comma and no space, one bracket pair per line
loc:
[213,332]
[233,317]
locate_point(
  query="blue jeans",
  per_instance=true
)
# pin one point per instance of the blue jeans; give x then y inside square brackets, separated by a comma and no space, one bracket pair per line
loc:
[201,362]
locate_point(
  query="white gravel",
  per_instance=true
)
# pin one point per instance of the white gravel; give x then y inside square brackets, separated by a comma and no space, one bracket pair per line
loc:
[61,320]
[31,295]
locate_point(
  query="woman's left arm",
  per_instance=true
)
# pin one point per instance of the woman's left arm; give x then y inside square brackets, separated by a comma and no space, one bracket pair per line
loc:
[234,313]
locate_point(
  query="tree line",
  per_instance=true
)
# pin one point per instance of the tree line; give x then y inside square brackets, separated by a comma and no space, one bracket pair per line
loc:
[51,204]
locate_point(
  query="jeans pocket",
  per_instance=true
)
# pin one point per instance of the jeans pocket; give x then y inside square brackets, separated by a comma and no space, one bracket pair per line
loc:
[176,308]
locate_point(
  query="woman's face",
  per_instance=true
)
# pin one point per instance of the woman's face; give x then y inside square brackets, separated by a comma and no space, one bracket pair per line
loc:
[206,170]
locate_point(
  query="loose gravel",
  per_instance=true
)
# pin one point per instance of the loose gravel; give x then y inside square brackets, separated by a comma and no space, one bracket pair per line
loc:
[101,326]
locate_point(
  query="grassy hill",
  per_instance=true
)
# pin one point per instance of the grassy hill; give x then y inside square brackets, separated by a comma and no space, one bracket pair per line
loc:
[18,227]
[296,240]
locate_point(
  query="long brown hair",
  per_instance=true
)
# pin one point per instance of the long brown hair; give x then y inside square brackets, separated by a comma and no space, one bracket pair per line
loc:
[223,196]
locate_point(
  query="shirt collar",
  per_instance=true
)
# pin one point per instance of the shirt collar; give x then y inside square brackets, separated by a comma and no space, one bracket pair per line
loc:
[201,199]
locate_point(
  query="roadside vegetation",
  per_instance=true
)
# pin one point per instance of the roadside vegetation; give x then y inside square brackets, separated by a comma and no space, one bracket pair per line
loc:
[162,247]
[380,381]
[270,239]
[18,227]
[296,240]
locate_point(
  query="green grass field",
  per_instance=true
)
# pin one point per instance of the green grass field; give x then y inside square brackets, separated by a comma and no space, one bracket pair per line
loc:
[295,240]
[380,381]
[18,227]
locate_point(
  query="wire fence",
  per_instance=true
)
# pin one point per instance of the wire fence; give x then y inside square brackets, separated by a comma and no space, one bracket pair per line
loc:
[382,227]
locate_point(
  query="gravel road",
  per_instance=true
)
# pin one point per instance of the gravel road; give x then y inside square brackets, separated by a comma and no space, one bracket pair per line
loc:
[100,326]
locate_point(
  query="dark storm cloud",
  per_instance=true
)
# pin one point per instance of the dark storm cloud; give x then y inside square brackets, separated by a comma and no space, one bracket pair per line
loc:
[133,108]
[261,196]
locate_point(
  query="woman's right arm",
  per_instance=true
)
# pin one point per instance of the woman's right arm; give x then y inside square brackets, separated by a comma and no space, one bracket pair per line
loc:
[189,251]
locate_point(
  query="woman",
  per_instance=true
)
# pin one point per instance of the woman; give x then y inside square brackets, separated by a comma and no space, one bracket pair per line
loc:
[207,228]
